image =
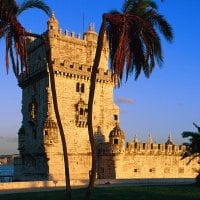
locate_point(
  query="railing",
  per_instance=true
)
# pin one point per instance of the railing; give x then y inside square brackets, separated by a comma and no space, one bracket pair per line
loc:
[6,178]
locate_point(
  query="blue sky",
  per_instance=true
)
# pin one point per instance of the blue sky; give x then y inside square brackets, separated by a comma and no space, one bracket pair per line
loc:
[166,103]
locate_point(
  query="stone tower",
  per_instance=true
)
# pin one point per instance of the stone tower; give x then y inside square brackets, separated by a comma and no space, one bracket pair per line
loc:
[117,140]
[39,141]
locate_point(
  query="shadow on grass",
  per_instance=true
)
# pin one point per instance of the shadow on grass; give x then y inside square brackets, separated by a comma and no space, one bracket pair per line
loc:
[183,192]
[148,192]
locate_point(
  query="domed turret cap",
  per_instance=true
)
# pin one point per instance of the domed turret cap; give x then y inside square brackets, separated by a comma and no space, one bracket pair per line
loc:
[53,18]
[169,141]
[117,132]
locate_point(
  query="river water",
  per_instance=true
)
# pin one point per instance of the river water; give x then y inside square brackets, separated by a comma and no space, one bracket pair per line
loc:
[6,170]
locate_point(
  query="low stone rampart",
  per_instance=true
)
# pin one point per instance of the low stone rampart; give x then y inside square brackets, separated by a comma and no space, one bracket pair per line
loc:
[143,181]
[38,184]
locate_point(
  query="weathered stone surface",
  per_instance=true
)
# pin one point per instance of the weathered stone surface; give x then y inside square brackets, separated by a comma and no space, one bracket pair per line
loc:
[41,156]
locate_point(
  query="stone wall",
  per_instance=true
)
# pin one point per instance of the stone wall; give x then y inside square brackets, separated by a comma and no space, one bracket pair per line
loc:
[144,160]
[39,143]
[41,156]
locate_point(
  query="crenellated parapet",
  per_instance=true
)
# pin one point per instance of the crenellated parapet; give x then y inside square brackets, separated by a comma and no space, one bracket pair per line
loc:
[116,145]
[143,149]
[80,49]
[72,55]
[66,69]
[54,31]
[137,147]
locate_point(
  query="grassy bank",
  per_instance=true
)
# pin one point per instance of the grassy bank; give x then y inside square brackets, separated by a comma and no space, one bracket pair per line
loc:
[183,192]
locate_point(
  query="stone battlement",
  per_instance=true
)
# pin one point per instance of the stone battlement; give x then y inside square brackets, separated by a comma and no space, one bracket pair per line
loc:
[145,148]
[139,148]
[72,56]
[76,70]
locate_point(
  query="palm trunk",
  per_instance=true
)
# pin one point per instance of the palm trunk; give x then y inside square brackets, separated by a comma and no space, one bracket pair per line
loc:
[92,173]
[60,126]
[62,135]
[56,110]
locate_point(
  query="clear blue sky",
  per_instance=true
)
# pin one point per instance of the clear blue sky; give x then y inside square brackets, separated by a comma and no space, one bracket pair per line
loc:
[166,103]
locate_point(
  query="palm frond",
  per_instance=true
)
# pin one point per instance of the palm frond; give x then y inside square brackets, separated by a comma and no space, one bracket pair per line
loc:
[198,128]
[128,5]
[8,8]
[186,134]
[139,7]
[134,42]
[15,33]
[193,146]
[160,22]
[34,4]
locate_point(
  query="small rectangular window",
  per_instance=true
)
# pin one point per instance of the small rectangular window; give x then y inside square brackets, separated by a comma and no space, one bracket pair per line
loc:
[77,87]
[81,111]
[181,170]
[115,117]
[82,88]
[45,132]
[115,141]
[152,170]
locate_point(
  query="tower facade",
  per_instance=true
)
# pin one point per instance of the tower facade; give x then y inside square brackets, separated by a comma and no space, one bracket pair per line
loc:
[39,141]
[41,155]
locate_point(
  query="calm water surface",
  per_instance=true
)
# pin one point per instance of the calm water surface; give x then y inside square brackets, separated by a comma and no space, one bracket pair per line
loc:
[6,170]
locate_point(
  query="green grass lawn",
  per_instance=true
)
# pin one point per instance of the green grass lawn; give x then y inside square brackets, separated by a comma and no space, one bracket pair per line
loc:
[182,192]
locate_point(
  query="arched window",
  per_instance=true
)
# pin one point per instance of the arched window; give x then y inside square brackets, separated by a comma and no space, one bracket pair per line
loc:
[77,87]
[82,87]
[81,111]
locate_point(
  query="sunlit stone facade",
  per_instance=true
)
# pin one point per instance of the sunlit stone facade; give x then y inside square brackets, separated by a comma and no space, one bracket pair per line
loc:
[41,156]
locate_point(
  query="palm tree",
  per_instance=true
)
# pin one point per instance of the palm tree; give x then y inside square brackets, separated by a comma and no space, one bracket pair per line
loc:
[193,147]
[134,45]
[15,35]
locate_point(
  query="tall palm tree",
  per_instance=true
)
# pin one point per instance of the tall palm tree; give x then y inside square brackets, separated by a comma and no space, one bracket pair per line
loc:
[193,147]
[134,45]
[15,35]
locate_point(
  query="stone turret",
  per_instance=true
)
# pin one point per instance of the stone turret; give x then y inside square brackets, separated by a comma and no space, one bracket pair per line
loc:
[91,38]
[98,136]
[169,141]
[53,23]
[50,127]
[91,35]
[117,139]
[149,141]
[135,139]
